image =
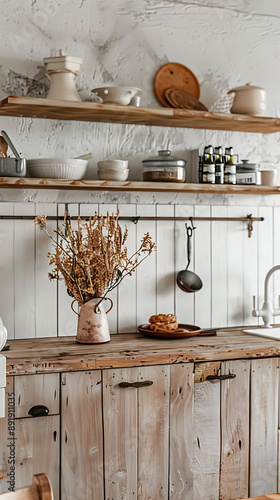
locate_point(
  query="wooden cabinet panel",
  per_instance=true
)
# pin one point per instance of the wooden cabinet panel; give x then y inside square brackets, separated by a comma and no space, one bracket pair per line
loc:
[37,441]
[206,435]
[235,410]
[37,450]
[120,431]
[153,434]
[181,431]
[81,436]
[264,426]
[40,389]
[148,433]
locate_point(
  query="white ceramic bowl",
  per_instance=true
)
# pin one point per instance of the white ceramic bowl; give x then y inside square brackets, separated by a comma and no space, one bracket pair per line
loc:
[113,174]
[116,95]
[57,168]
[116,164]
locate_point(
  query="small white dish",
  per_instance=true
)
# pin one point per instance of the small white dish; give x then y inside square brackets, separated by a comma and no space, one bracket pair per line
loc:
[116,164]
[113,174]
[116,95]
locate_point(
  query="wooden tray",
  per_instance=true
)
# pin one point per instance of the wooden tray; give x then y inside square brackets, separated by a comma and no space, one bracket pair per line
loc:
[182,100]
[178,76]
[145,329]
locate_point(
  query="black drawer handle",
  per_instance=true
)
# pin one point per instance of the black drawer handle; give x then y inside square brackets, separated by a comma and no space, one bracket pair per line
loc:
[220,377]
[145,383]
[38,411]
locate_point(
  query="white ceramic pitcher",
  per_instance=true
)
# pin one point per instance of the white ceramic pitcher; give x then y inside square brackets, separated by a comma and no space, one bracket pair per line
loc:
[92,324]
[3,335]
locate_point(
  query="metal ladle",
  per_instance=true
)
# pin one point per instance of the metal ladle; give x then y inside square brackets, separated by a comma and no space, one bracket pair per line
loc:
[187,280]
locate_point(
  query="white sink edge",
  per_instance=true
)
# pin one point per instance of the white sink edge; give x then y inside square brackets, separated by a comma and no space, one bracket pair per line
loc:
[270,333]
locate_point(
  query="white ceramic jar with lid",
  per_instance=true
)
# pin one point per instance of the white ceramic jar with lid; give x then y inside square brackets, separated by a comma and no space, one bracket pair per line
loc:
[248,100]
[164,168]
[61,72]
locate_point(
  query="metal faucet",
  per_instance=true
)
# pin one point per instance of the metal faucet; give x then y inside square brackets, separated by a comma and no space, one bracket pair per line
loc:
[267,312]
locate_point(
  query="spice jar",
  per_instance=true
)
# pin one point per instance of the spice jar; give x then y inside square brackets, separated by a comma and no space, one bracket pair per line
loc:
[164,168]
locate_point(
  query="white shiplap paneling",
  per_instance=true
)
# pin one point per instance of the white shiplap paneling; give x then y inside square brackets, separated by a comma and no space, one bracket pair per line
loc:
[46,290]
[184,301]
[127,289]
[7,292]
[165,257]
[67,320]
[146,272]
[24,258]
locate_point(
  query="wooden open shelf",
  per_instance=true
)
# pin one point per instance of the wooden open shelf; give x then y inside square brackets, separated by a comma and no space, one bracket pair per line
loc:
[113,113]
[157,187]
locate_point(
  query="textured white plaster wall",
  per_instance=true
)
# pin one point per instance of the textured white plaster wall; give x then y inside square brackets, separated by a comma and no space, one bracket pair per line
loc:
[224,43]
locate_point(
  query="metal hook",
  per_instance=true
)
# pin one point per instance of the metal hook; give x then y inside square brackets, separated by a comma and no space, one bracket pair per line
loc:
[135,220]
[189,229]
[250,225]
[191,220]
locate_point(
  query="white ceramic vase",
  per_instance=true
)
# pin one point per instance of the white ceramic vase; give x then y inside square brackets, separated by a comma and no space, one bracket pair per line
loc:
[93,325]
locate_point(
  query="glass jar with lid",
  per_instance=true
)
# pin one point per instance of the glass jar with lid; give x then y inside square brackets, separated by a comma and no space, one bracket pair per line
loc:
[164,168]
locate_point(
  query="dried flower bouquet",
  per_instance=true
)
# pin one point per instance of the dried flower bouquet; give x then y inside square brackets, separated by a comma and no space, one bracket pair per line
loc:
[93,259]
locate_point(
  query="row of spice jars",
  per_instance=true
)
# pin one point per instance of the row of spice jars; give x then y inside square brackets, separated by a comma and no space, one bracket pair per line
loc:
[216,167]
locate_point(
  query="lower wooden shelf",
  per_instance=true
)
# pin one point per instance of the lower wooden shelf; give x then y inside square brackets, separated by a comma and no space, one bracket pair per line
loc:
[157,187]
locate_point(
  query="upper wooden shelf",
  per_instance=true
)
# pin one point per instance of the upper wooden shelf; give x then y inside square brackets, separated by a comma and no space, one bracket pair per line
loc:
[157,187]
[113,113]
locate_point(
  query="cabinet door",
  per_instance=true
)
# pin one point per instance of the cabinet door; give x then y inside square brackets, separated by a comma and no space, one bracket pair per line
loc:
[81,436]
[221,424]
[136,433]
[148,433]
[235,421]
[181,431]
[37,450]
[264,426]
[206,432]
[36,443]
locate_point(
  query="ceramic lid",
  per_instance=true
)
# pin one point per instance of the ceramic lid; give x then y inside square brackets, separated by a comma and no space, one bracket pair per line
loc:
[245,166]
[248,86]
[62,59]
[164,159]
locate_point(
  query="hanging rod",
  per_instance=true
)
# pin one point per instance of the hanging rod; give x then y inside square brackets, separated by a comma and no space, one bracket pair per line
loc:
[249,218]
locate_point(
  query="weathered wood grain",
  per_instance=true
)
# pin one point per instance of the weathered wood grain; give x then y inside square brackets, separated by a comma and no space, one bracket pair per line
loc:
[181,431]
[264,426]
[235,409]
[206,458]
[157,187]
[81,436]
[124,350]
[5,436]
[120,431]
[113,113]
[153,434]
[37,450]
[41,389]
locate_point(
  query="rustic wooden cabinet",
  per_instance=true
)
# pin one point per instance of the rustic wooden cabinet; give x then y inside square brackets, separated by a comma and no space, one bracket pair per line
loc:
[175,431]
[183,436]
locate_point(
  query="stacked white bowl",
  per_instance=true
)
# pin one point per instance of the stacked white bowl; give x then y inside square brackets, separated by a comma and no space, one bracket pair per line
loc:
[113,170]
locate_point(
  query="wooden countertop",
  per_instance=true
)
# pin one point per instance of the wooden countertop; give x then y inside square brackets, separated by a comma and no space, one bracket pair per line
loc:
[45,355]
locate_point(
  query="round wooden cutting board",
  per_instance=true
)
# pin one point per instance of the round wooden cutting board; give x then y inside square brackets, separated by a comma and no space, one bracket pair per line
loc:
[181,99]
[176,76]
